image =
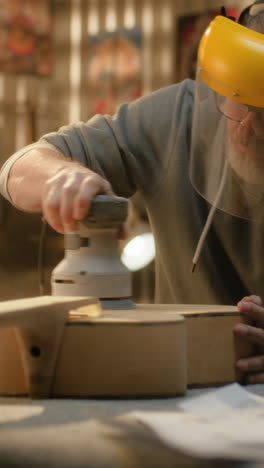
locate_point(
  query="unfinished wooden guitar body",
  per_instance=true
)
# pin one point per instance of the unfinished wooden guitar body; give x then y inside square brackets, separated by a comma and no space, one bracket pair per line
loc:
[55,346]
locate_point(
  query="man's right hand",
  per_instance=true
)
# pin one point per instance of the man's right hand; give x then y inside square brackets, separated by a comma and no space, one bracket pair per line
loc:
[67,196]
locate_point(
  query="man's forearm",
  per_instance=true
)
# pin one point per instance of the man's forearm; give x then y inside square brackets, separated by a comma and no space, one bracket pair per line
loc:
[45,181]
[29,174]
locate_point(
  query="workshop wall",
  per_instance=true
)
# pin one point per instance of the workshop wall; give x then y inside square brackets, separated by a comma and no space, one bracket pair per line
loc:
[32,105]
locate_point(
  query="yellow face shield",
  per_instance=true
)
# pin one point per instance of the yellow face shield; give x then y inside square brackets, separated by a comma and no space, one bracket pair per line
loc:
[231,61]
[227,147]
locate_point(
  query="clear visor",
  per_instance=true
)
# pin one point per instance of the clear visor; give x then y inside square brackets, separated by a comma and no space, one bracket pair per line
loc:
[227,152]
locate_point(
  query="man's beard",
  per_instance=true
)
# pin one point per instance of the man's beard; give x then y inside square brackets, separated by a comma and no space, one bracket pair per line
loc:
[248,165]
[248,170]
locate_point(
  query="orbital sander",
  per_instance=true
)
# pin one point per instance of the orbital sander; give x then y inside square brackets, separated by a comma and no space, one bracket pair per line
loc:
[91,265]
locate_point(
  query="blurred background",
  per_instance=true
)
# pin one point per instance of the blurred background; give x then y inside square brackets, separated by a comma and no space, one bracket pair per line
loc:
[65,60]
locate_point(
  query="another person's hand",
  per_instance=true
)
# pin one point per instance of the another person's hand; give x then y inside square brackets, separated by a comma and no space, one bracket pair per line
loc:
[67,196]
[251,370]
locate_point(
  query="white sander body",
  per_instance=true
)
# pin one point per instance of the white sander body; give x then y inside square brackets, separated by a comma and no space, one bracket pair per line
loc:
[91,265]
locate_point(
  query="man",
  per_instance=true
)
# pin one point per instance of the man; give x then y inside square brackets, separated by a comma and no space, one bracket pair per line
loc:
[177,148]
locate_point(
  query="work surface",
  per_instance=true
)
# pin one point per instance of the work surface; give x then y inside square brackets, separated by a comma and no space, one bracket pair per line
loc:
[92,433]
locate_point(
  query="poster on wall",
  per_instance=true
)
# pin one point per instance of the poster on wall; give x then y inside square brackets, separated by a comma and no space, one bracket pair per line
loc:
[114,69]
[25,36]
[190,29]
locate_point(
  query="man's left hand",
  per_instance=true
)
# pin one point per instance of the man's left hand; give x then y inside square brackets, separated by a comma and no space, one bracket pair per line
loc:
[251,370]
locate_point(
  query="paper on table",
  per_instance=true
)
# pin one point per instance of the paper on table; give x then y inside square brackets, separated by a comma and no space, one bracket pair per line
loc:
[227,423]
[217,404]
